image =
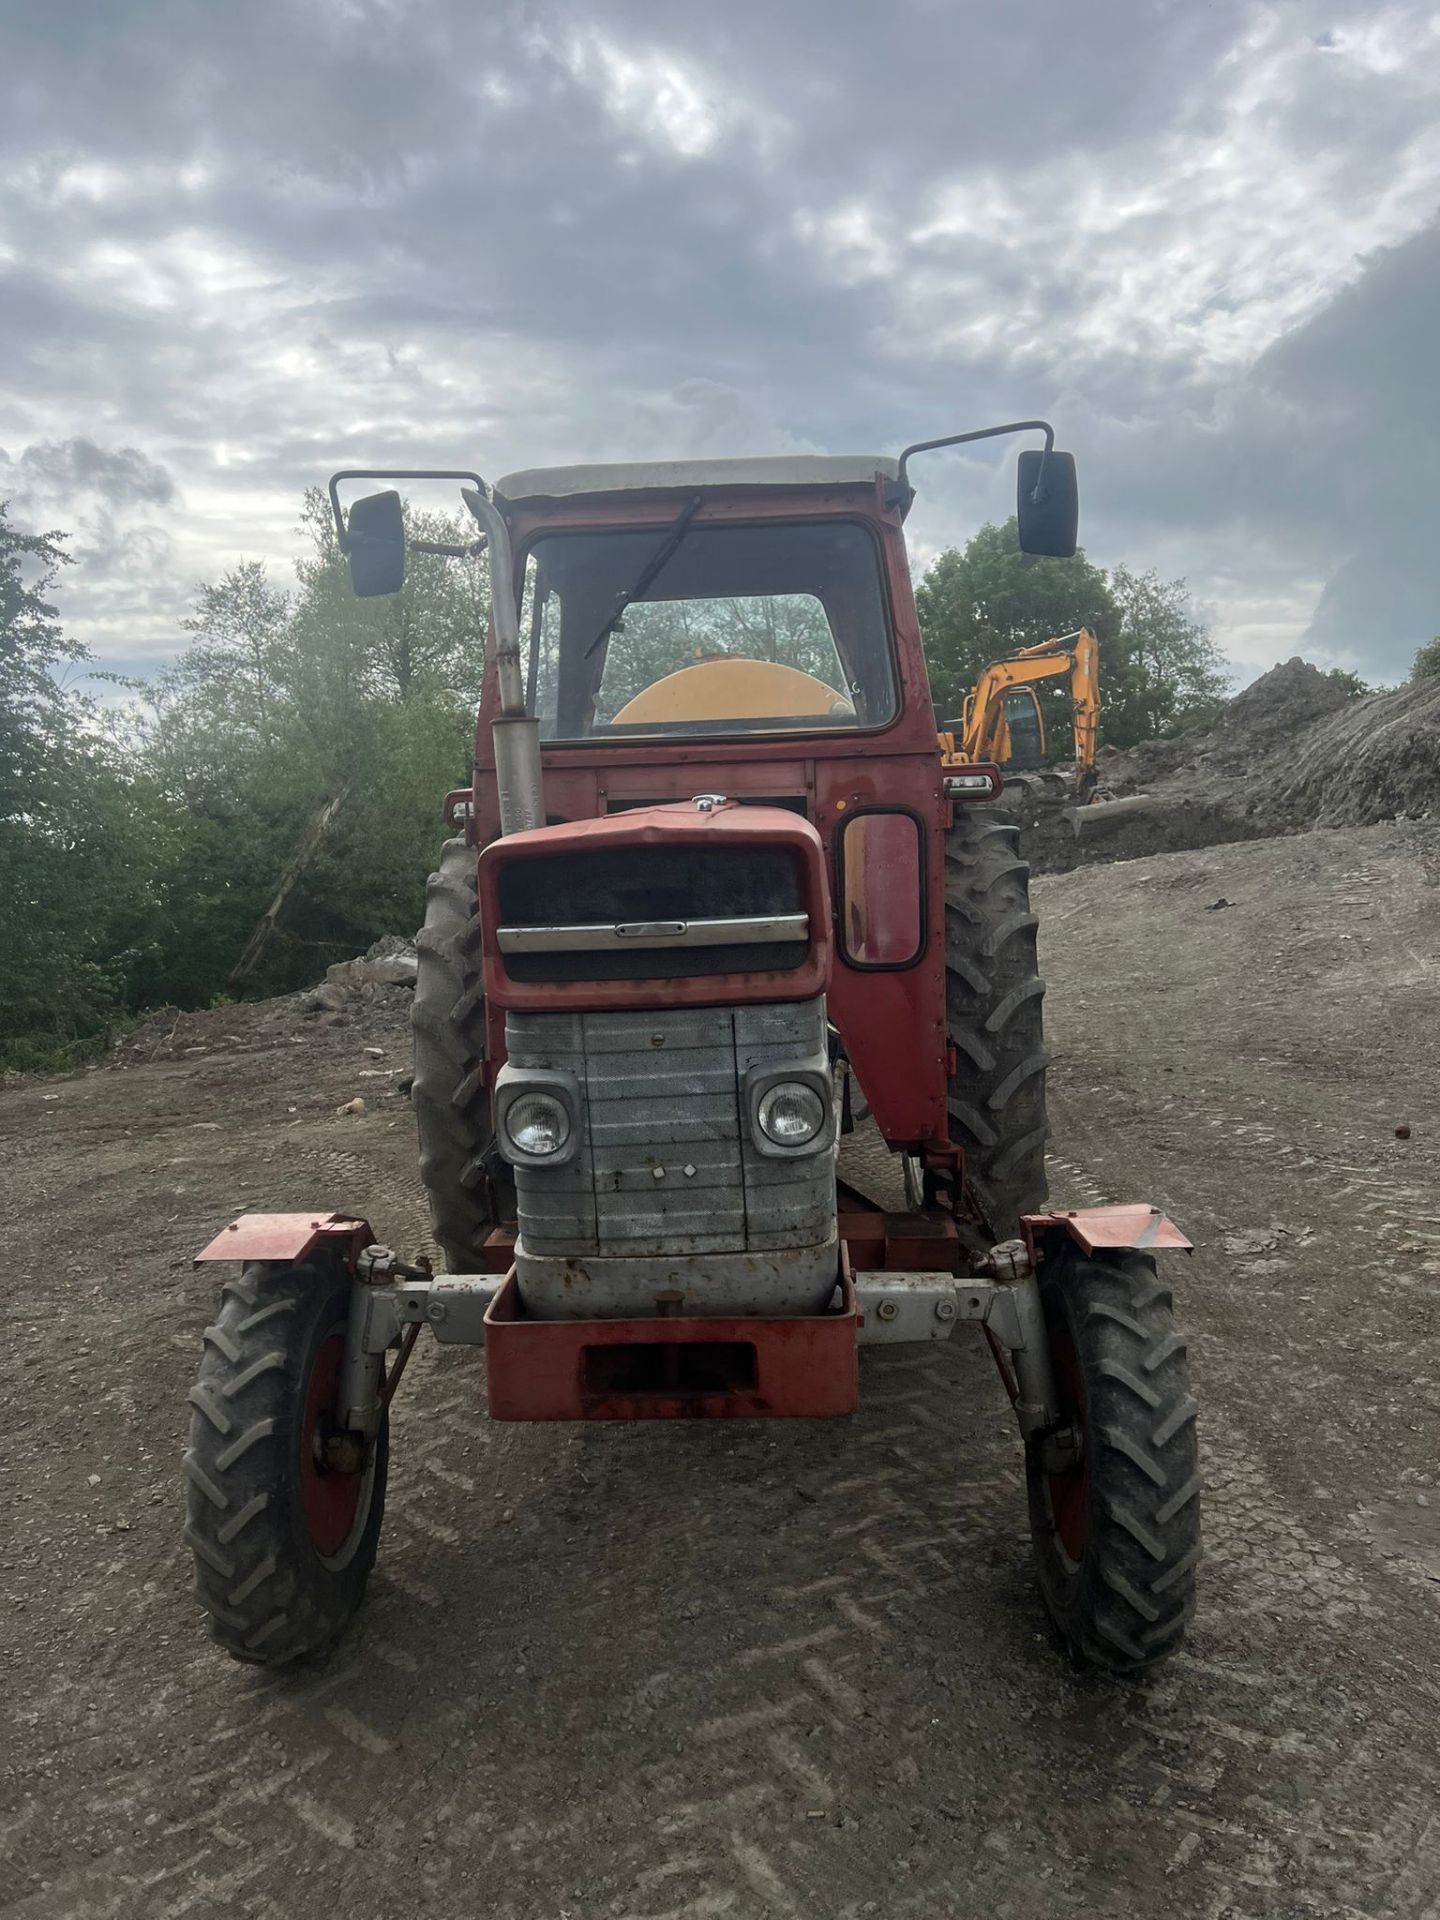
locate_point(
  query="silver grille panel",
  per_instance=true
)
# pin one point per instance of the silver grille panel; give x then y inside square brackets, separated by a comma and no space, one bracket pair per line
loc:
[666,1166]
[749,930]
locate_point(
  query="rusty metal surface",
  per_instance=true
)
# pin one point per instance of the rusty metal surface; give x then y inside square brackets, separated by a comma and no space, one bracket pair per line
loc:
[498,1253]
[667,1189]
[892,1022]
[286,1236]
[878,1239]
[634,833]
[1134,1228]
[900,1242]
[800,1368]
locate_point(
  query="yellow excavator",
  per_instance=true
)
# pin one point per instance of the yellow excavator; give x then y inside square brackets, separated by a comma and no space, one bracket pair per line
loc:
[1001,721]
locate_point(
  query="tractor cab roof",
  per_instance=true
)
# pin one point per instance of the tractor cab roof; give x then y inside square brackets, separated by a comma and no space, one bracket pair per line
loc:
[810,470]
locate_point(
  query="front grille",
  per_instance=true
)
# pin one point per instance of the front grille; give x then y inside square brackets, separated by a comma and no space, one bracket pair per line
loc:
[624,886]
[662,1092]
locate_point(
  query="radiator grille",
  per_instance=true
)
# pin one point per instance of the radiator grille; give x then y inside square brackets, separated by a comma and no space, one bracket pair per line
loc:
[662,1094]
[612,885]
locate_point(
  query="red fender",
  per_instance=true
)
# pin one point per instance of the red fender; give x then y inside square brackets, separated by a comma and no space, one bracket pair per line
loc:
[1131,1229]
[288,1237]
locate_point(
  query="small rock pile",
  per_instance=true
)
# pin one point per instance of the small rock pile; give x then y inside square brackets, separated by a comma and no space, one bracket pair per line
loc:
[374,990]
[389,963]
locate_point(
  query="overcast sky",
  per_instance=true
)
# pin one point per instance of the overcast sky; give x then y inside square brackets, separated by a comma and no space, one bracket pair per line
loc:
[243,242]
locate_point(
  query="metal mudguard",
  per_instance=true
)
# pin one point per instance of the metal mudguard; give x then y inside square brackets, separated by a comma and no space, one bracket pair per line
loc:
[1122,1229]
[289,1237]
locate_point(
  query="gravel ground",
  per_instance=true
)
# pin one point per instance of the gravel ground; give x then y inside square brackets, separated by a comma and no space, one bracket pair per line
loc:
[796,1670]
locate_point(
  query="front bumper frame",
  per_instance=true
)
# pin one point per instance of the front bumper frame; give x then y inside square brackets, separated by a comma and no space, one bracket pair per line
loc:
[391,1301]
[801,1366]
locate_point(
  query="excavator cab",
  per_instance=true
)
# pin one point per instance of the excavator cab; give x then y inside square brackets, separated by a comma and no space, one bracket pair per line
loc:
[1026,730]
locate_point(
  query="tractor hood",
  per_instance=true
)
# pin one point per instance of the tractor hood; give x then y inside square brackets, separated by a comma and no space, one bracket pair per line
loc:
[700,903]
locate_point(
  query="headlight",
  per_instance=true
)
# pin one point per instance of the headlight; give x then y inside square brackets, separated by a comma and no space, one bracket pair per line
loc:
[537,1124]
[791,1113]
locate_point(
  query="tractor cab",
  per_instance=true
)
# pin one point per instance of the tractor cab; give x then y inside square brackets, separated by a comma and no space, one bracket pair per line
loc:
[680,621]
[747,628]
[728,602]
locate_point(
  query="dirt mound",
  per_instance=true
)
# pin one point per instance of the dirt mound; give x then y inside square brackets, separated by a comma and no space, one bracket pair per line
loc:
[1052,845]
[1291,752]
[376,988]
[1244,740]
[1377,759]
[1266,716]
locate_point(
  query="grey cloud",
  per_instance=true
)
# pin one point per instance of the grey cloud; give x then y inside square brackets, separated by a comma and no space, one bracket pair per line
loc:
[117,592]
[255,241]
[62,469]
[1326,451]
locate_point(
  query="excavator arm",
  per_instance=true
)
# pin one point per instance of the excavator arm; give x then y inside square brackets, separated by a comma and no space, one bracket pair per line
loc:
[1085,693]
[985,733]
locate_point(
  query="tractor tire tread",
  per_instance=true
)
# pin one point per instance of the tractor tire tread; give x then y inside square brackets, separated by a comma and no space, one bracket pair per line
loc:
[1134,1592]
[469,1188]
[993,1001]
[266,1596]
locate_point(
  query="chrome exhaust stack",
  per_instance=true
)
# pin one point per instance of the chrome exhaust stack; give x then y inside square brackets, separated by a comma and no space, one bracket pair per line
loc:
[516,733]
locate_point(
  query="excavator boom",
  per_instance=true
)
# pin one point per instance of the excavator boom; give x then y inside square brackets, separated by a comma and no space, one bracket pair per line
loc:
[985,733]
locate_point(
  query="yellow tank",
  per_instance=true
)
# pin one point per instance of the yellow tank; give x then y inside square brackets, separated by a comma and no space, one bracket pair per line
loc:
[730,688]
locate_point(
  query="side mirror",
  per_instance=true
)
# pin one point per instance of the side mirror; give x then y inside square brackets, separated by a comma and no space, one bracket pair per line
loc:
[374,543]
[1048,509]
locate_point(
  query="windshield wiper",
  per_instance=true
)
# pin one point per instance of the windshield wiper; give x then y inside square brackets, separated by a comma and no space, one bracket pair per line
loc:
[650,573]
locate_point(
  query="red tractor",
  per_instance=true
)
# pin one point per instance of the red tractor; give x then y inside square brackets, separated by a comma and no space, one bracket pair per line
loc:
[715,895]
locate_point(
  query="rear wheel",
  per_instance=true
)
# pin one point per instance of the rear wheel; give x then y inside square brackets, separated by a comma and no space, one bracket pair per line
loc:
[470,1188]
[284,1508]
[993,995]
[1115,1499]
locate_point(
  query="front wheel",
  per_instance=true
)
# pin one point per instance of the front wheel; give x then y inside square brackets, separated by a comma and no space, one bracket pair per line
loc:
[284,1507]
[1114,1491]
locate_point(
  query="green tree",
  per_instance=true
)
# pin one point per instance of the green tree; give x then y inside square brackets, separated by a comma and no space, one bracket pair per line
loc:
[1166,673]
[139,847]
[1427,661]
[1159,669]
[238,653]
[290,708]
[431,633]
[77,849]
[1350,684]
[987,600]
[32,645]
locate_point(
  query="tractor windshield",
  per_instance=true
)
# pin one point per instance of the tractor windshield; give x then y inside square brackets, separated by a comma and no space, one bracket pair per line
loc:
[778,627]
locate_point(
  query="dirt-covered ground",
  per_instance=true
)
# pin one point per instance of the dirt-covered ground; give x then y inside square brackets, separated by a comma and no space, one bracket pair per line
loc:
[771,1670]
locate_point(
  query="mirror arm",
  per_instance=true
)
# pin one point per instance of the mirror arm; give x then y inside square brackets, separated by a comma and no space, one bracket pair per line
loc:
[475,548]
[396,473]
[903,493]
